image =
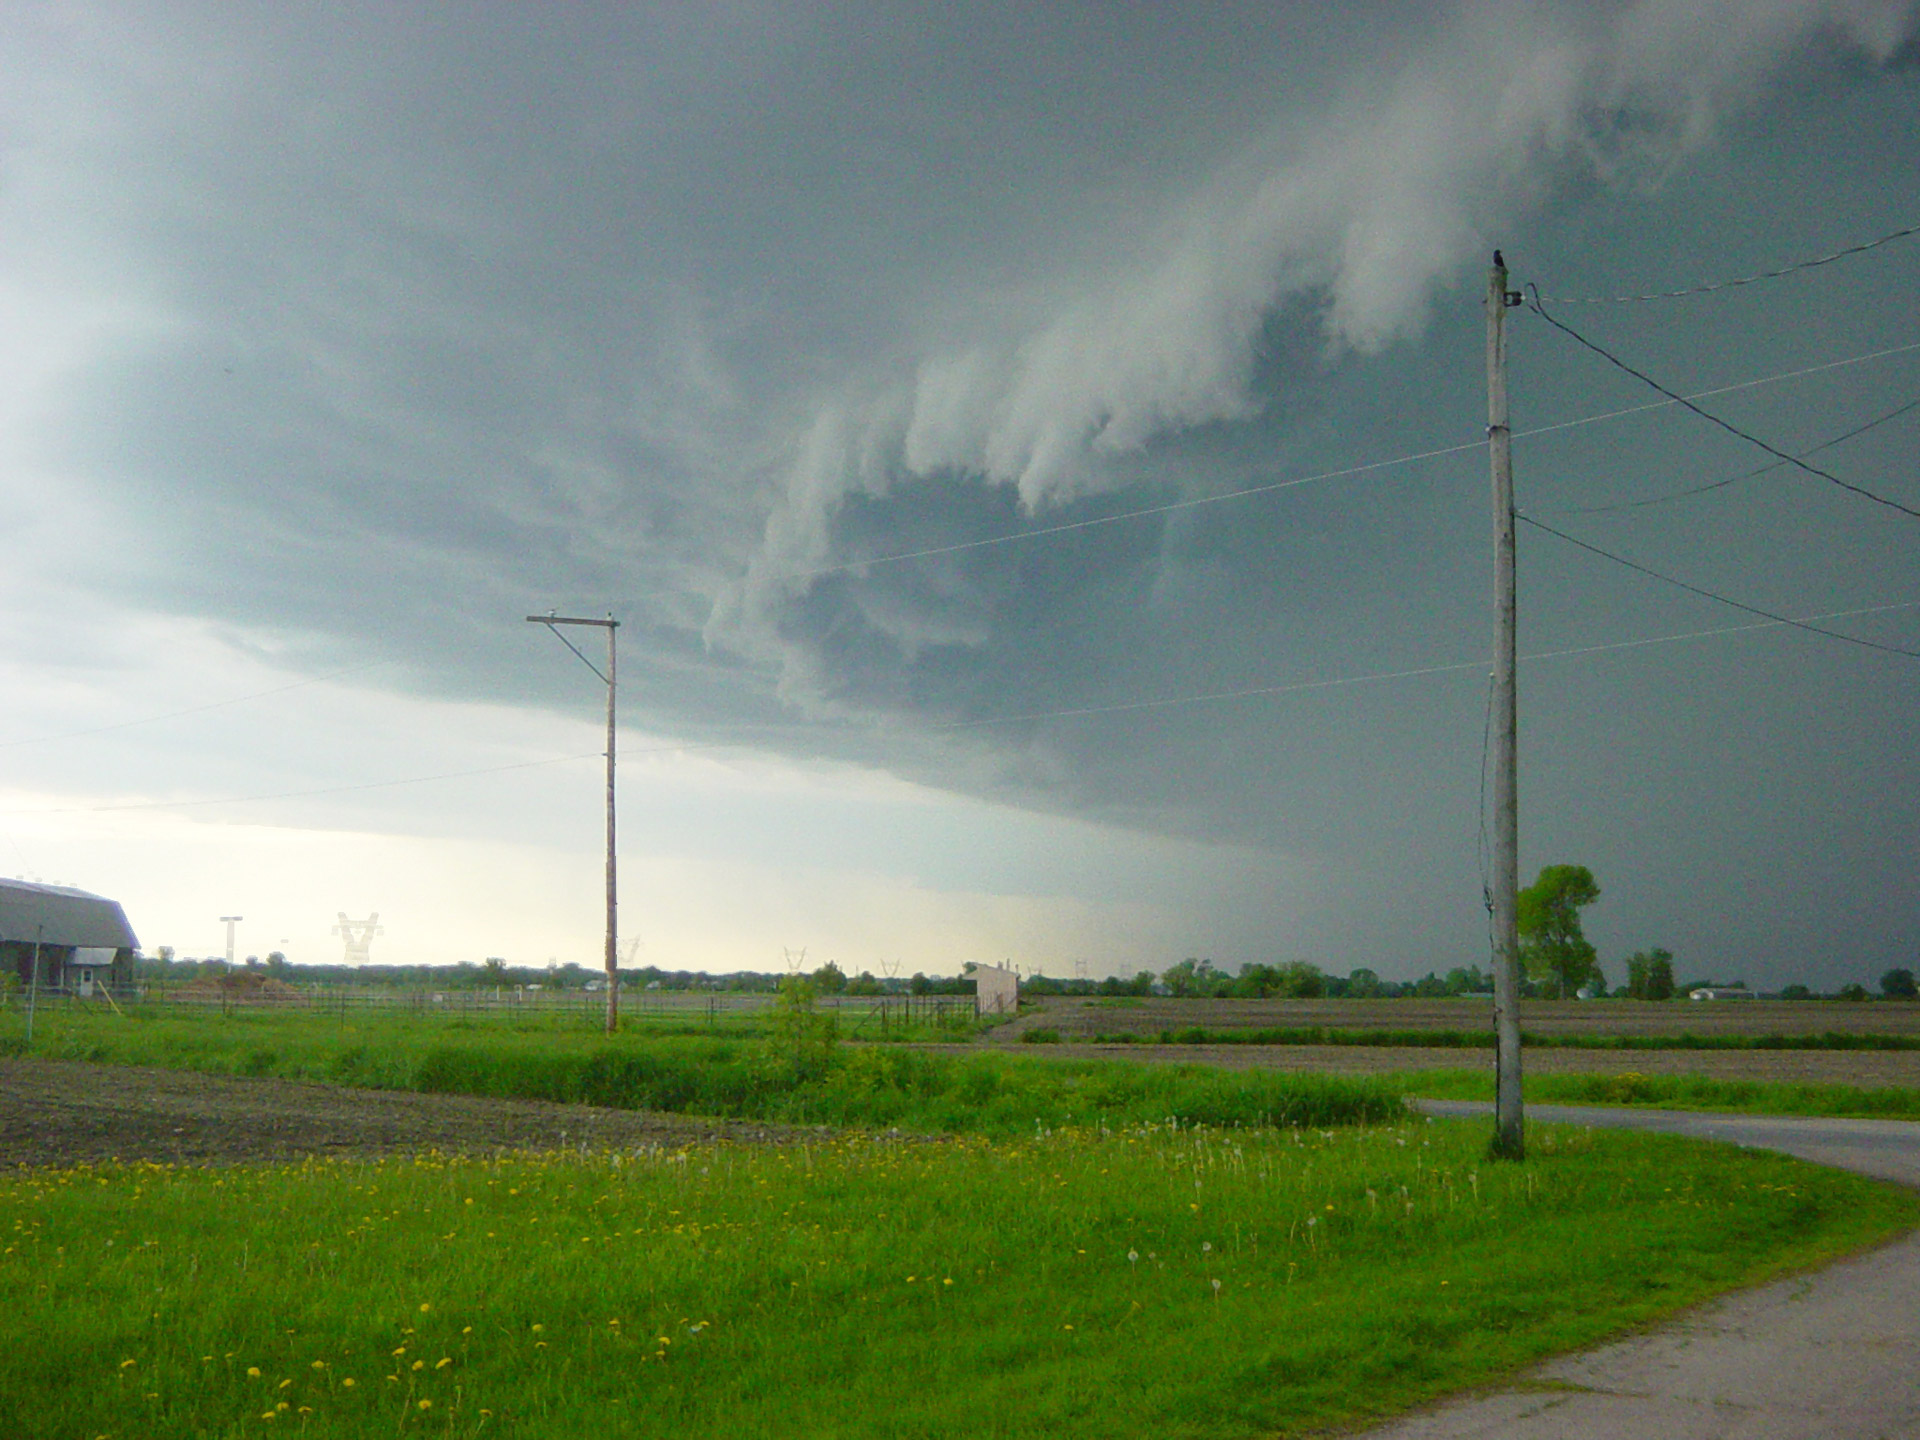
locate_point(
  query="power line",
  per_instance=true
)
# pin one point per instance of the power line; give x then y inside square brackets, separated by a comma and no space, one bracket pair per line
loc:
[1166,703]
[1440,452]
[1878,420]
[191,709]
[1727,426]
[1454,667]
[1718,285]
[1712,595]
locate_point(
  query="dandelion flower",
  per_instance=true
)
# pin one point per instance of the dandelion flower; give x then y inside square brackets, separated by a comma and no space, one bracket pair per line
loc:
[125,1363]
[538,1329]
[419,1364]
[443,1362]
[426,1404]
[425,1308]
[319,1365]
[253,1372]
[348,1383]
[1133,1257]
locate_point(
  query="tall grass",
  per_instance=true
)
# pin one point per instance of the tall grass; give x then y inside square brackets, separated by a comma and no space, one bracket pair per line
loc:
[1419,1039]
[1681,1092]
[801,1078]
[1144,1281]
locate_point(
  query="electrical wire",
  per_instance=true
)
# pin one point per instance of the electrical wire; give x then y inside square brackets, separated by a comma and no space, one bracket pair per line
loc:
[191,709]
[1708,415]
[1464,447]
[1169,702]
[1878,420]
[1217,696]
[1712,595]
[1714,287]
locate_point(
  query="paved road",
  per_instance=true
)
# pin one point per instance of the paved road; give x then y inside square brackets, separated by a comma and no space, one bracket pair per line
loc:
[1829,1356]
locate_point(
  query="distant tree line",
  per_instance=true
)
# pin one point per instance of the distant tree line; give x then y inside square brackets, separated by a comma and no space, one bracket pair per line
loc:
[1557,959]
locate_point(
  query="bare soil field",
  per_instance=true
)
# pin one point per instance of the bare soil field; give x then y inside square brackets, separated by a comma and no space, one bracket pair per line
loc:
[1077,1018]
[67,1113]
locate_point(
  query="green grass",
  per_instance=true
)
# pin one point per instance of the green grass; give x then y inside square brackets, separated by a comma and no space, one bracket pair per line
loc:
[1484,1039]
[798,1080]
[1147,1281]
[1680,1092]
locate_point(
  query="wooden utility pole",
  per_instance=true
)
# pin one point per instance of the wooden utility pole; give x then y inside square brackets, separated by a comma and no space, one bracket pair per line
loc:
[1509,1139]
[610,677]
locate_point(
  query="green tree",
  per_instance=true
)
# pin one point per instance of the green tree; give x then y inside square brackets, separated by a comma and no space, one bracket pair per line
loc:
[804,1035]
[830,979]
[1193,977]
[1299,980]
[1363,984]
[1551,943]
[493,971]
[1795,992]
[1899,985]
[1650,975]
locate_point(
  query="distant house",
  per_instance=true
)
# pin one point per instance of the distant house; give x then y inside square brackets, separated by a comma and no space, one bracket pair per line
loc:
[1721,992]
[84,942]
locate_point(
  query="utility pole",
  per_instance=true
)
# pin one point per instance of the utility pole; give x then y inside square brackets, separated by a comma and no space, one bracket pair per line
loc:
[553,622]
[33,979]
[230,921]
[1509,1138]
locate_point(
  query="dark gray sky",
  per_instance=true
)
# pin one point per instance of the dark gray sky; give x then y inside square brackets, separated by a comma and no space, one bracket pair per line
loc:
[345,337]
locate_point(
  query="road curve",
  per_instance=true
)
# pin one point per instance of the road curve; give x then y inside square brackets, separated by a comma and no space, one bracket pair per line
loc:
[1830,1356]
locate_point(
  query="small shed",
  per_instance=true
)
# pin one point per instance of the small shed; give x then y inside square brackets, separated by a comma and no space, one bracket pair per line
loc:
[83,940]
[996,990]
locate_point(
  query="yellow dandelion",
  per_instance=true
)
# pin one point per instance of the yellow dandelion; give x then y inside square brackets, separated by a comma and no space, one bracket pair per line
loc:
[125,1363]
[253,1372]
[419,1364]
[426,1404]
[319,1365]
[444,1361]
[401,1351]
[539,1329]
[283,1384]
[348,1383]
[466,1329]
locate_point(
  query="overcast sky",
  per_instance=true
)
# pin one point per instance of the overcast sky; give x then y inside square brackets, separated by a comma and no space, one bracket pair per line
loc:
[341,338]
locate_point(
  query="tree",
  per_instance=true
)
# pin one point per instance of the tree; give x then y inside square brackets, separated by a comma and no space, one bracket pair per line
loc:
[1899,985]
[493,971]
[1650,975]
[1795,992]
[830,979]
[1551,943]
[1300,980]
[1363,984]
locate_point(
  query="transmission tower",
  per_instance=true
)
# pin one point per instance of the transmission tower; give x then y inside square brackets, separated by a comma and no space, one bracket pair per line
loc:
[358,935]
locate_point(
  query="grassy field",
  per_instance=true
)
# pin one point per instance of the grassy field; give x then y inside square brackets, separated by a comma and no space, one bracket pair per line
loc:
[1679,1092]
[1131,1281]
[1436,1039]
[798,1076]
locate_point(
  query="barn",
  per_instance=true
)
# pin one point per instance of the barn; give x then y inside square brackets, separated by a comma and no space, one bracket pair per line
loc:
[83,941]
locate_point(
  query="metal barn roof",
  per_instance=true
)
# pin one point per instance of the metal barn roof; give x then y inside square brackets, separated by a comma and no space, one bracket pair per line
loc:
[61,915]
